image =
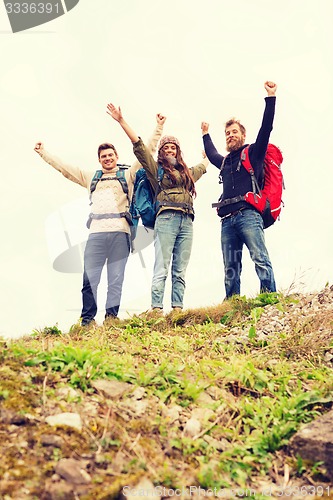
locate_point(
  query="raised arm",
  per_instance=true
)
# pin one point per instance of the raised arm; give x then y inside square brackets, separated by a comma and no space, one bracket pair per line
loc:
[141,152]
[258,149]
[116,114]
[212,154]
[71,172]
[153,141]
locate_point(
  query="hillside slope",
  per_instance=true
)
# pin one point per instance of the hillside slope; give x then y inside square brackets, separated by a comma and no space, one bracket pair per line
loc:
[205,400]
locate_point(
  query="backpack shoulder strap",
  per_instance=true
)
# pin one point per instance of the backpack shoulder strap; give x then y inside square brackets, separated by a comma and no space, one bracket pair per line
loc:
[97,175]
[160,173]
[221,169]
[120,174]
[223,162]
[245,161]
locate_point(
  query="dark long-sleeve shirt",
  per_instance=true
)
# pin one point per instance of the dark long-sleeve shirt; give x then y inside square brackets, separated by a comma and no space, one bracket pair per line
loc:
[236,180]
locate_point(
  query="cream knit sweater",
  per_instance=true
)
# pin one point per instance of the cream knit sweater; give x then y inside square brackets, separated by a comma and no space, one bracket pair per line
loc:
[108,196]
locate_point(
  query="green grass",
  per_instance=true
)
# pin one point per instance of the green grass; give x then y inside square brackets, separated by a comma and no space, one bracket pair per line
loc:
[260,394]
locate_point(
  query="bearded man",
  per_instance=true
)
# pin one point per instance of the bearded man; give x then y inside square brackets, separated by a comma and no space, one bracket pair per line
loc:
[241,223]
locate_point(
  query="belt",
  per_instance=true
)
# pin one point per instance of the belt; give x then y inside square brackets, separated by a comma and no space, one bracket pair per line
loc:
[234,213]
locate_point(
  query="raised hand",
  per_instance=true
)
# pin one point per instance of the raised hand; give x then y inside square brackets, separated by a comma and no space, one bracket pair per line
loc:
[270,87]
[204,128]
[39,147]
[114,112]
[160,119]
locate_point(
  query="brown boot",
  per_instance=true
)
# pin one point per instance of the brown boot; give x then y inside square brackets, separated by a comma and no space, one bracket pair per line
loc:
[110,321]
[155,312]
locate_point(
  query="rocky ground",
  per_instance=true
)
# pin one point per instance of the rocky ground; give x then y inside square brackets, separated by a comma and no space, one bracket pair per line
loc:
[113,437]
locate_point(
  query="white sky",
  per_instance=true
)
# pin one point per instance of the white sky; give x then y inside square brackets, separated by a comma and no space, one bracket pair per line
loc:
[192,61]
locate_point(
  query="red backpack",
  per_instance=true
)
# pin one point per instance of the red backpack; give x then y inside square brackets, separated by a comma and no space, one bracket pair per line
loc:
[268,200]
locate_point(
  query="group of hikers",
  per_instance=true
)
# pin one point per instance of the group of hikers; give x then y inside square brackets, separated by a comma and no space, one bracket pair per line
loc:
[109,240]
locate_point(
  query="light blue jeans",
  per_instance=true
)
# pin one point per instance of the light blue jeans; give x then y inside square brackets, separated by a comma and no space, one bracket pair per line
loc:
[173,236]
[245,227]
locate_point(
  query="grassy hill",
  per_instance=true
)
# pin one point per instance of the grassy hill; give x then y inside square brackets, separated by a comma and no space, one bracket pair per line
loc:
[206,398]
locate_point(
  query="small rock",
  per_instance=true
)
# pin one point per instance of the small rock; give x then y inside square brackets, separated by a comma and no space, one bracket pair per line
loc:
[139,407]
[215,392]
[72,471]
[67,392]
[219,445]
[69,419]
[171,413]
[10,417]
[144,486]
[328,356]
[55,478]
[315,442]
[111,389]
[51,440]
[205,399]
[192,427]
[58,491]
[23,444]
[89,407]
[202,414]
[138,393]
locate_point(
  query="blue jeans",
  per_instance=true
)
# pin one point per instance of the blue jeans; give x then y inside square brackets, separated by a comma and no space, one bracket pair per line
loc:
[112,248]
[245,227]
[173,236]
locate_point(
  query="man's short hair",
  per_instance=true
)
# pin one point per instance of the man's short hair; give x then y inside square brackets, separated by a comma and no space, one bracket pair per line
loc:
[232,121]
[106,145]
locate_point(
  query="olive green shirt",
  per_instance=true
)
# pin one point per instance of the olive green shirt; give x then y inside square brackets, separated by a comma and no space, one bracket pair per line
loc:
[168,191]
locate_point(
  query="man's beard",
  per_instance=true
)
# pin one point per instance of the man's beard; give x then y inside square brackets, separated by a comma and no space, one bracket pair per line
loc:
[234,145]
[172,160]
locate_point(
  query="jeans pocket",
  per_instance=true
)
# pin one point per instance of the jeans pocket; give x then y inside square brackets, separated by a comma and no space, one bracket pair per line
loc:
[165,215]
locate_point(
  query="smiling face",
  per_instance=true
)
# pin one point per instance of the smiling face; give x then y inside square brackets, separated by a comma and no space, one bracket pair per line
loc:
[169,149]
[169,152]
[108,159]
[234,137]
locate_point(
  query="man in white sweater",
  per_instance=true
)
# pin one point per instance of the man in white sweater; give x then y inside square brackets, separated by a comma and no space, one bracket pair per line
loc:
[109,231]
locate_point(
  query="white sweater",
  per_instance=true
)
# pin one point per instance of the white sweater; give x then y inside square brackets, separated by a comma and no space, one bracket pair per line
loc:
[108,196]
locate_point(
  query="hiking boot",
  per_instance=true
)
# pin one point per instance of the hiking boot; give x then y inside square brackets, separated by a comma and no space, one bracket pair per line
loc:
[89,324]
[84,327]
[110,321]
[154,313]
[177,309]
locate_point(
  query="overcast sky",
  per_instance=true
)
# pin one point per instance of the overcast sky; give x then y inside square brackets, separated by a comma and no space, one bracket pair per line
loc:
[192,61]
